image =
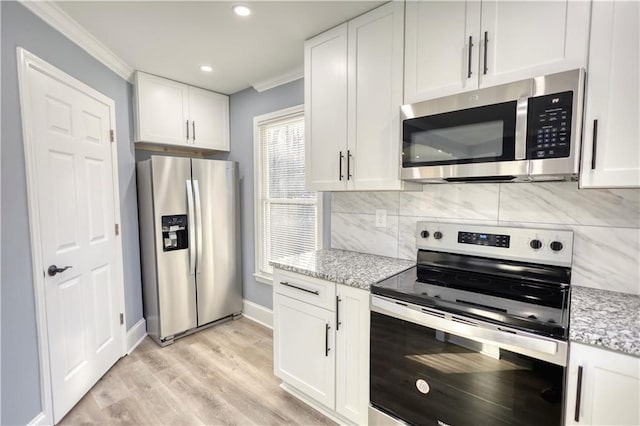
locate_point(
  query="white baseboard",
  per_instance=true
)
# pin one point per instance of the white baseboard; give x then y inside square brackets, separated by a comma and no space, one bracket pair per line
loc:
[136,335]
[40,420]
[257,313]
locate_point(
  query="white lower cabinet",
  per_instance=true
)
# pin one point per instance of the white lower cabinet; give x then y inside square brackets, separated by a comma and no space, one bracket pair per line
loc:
[321,349]
[603,387]
[352,353]
[303,347]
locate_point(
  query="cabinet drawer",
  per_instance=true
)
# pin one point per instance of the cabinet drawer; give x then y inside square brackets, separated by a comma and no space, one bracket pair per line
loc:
[306,289]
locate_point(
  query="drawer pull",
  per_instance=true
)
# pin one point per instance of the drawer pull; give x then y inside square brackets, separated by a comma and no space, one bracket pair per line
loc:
[316,292]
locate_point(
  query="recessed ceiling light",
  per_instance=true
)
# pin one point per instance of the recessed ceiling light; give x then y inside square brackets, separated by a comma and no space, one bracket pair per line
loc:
[242,10]
[206,68]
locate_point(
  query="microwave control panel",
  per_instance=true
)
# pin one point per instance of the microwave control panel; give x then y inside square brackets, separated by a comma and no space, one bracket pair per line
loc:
[549,126]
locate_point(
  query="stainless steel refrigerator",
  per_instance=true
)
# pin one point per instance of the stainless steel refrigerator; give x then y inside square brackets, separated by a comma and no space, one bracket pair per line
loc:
[190,244]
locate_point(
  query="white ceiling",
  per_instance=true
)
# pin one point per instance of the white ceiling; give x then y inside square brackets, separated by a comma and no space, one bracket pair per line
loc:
[173,38]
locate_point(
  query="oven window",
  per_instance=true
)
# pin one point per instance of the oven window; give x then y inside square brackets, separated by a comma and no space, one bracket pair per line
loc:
[482,134]
[427,377]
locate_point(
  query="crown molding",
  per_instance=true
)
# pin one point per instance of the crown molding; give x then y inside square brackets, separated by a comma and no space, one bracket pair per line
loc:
[53,15]
[279,80]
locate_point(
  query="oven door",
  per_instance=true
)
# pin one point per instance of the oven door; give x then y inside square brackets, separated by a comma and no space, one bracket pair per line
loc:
[424,375]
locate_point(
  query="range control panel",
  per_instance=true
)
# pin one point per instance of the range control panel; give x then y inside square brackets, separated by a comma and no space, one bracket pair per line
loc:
[483,239]
[549,126]
[544,246]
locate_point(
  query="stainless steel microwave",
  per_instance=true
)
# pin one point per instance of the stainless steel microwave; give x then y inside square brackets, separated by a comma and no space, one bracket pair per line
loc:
[528,130]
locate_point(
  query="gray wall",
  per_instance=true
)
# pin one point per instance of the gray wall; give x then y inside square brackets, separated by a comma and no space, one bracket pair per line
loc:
[20,386]
[244,106]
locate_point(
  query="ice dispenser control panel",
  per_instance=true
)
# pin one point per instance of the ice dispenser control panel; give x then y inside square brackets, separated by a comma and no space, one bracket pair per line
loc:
[549,126]
[174,232]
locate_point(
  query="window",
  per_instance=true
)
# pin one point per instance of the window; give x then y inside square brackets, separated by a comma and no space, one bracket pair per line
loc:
[288,217]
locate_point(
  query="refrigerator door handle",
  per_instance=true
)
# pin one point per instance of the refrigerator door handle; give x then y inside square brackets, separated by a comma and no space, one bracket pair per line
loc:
[196,190]
[192,232]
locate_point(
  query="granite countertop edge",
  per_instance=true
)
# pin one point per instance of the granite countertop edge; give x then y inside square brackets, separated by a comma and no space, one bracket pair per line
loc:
[351,268]
[606,319]
[600,318]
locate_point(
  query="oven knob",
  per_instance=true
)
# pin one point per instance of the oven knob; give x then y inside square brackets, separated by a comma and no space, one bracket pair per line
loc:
[424,234]
[437,235]
[556,246]
[535,244]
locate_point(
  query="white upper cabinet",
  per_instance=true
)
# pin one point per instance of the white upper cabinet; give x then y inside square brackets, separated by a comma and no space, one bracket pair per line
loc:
[611,143]
[162,110]
[209,119]
[375,76]
[520,39]
[436,58]
[603,387]
[456,46]
[325,95]
[353,93]
[175,114]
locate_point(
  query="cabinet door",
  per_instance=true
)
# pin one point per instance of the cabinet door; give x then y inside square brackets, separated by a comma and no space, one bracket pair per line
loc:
[437,61]
[375,95]
[303,348]
[610,388]
[612,111]
[209,119]
[161,110]
[325,93]
[352,353]
[526,39]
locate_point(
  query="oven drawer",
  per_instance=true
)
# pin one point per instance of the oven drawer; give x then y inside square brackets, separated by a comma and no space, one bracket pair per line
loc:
[307,289]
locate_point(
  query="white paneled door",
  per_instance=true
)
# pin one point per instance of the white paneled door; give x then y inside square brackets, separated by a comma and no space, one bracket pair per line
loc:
[73,202]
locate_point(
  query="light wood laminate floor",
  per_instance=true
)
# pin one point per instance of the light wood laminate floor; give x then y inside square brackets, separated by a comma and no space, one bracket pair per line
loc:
[219,376]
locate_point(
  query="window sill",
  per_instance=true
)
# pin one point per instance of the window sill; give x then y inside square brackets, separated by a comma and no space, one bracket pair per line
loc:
[265,279]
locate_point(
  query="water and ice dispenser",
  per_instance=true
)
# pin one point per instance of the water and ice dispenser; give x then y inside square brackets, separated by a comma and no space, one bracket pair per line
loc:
[175,233]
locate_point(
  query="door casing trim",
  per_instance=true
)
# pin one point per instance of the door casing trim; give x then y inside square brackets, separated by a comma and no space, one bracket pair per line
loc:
[27,60]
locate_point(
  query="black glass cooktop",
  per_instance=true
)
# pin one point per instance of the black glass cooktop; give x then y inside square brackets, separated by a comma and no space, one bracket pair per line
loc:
[530,305]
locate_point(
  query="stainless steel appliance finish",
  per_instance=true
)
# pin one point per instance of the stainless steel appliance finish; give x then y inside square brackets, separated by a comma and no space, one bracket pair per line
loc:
[477,332]
[189,236]
[513,108]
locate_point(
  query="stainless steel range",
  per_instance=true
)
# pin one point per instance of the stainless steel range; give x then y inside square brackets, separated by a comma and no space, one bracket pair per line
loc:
[477,332]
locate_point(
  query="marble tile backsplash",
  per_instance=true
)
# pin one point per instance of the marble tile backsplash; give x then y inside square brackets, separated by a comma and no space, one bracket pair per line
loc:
[605,222]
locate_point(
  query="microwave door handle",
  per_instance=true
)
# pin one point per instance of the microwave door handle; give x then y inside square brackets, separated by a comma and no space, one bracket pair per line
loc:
[192,231]
[521,128]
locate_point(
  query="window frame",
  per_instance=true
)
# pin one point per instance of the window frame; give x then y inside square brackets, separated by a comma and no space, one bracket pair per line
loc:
[258,210]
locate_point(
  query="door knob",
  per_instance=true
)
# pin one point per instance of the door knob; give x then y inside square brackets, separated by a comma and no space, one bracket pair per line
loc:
[53,270]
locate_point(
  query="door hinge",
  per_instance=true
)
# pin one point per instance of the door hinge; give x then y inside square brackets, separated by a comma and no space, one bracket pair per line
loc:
[121,319]
[117,229]
[111,136]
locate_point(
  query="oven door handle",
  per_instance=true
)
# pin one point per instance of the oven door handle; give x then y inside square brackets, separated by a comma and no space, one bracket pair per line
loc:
[461,326]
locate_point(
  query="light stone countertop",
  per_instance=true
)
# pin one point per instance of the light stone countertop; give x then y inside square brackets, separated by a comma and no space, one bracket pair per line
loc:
[605,318]
[344,267]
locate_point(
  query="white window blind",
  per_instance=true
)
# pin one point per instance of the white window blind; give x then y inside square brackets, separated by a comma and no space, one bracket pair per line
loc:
[288,213]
